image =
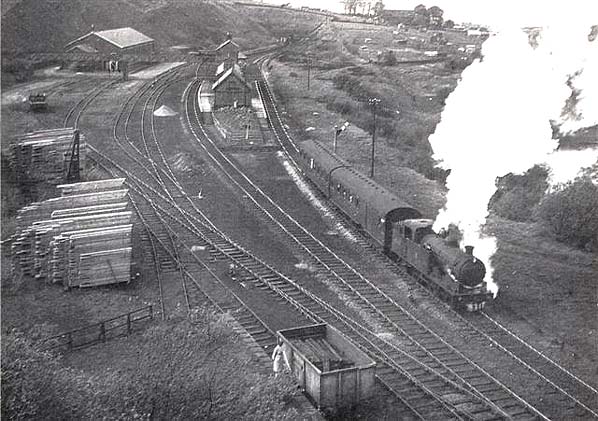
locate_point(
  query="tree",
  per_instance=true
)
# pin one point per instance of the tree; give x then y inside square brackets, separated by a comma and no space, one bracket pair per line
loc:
[570,213]
[378,8]
[449,24]
[517,195]
[435,11]
[350,6]
[420,9]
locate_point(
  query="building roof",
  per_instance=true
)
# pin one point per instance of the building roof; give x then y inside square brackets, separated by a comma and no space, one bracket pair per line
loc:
[236,71]
[228,41]
[120,37]
[220,68]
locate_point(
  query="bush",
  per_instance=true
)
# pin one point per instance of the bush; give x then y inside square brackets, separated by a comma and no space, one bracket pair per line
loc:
[182,368]
[570,213]
[389,59]
[517,195]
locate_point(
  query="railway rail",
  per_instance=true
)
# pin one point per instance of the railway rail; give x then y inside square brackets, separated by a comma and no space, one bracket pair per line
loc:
[370,297]
[76,111]
[576,398]
[447,393]
[232,251]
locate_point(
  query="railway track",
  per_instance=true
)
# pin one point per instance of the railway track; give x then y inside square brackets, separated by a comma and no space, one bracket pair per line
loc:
[575,398]
[76,111]
[423,402]
[445,396]
[169,248]
[357,286]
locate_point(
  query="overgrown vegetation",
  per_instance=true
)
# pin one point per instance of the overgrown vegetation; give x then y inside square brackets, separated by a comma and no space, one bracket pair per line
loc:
[183,368]
[570,213]
[517,195]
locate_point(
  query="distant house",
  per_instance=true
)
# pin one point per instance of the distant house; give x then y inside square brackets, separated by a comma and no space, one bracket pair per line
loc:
[231,89]
[121,40]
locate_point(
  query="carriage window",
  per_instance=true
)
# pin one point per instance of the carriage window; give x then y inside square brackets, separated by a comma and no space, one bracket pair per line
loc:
[338,187]
[311,163]
[407,233]
[356,201]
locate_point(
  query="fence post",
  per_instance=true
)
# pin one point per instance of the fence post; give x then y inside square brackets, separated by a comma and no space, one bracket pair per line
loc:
[151,309]
[128,323]
[70,341]
[102,332]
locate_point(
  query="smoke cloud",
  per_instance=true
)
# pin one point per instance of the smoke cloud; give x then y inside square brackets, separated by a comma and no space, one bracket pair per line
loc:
[498,119]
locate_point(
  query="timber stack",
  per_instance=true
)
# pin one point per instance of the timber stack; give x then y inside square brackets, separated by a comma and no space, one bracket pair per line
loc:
[82,238]
[45,155]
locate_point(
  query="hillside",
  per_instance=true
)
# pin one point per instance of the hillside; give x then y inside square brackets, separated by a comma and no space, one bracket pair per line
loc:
[47,25]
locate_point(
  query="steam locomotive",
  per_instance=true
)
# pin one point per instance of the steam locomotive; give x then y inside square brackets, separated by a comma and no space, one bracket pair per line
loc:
[456,276]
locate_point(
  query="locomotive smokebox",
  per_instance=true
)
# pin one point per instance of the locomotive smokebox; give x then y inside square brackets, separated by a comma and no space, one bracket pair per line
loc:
[467,269]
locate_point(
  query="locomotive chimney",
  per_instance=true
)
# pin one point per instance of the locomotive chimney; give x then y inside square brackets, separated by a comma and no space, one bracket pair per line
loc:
[469,250]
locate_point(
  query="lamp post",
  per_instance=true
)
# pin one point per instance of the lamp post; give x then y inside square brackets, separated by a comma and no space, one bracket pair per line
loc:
[374,104]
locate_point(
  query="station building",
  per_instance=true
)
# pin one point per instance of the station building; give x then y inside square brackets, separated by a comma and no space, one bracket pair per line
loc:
[231,89]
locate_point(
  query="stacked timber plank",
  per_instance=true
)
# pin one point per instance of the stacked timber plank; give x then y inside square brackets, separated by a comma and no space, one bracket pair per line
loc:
[321,353]
[82,238]
[44,156]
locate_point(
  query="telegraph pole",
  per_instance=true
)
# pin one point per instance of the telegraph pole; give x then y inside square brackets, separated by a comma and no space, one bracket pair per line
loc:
[374,103]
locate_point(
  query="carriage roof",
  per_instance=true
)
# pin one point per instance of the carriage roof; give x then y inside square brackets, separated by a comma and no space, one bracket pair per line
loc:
[377,196]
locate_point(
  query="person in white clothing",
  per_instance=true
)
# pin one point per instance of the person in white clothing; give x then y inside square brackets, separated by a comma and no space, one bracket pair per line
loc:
[278,358]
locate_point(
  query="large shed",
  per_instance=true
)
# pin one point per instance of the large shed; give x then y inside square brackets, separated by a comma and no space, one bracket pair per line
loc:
[120,40]
[231,89]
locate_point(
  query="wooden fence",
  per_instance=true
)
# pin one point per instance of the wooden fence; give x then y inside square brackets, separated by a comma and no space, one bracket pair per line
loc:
[100,332]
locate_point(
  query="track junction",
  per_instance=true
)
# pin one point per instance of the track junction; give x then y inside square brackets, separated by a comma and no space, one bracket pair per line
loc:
[431,375]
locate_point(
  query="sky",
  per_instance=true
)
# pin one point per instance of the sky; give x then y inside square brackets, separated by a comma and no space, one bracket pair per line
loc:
[495,13]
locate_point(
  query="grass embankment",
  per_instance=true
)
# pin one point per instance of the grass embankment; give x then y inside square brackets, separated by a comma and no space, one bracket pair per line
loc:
[411,101]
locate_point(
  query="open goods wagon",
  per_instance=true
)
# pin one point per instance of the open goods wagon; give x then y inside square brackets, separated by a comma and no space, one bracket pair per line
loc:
[333,371]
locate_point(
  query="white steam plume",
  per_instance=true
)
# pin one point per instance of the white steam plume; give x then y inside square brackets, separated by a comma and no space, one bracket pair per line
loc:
[497,120]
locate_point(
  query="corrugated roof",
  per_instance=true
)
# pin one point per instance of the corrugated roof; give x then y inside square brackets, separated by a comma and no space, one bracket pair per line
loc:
[120,37]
